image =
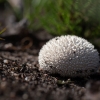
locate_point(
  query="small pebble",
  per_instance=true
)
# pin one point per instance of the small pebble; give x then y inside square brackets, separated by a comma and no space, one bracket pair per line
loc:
[27,79]
[5,61]
[25,96]
[9,45]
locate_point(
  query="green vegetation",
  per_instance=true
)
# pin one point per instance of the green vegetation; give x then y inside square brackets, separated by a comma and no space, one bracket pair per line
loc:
[53,16]
[79,17]
[63,16]
[3,30]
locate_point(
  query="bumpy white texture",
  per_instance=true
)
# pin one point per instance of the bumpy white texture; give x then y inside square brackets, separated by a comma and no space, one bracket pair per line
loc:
[69,56]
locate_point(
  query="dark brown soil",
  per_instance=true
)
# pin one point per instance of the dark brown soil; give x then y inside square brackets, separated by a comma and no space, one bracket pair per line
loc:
[20,78]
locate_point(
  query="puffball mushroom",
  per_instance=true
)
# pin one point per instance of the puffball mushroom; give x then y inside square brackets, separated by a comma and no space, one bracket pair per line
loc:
[69,56]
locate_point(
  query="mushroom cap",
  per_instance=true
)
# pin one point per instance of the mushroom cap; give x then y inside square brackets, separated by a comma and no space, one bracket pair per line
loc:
[69,56]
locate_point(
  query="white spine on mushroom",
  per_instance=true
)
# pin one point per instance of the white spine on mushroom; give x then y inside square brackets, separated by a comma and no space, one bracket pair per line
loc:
[69,56]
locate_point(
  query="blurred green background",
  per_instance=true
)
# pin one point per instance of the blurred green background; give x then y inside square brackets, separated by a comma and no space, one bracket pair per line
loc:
[60,17]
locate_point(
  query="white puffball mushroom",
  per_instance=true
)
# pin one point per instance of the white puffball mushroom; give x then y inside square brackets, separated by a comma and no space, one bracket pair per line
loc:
[69,56]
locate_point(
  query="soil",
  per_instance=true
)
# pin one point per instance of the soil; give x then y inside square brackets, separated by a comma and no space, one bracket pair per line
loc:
[20,78]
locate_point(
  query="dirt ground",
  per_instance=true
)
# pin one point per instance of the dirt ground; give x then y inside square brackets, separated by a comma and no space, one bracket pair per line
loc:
[20,78]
